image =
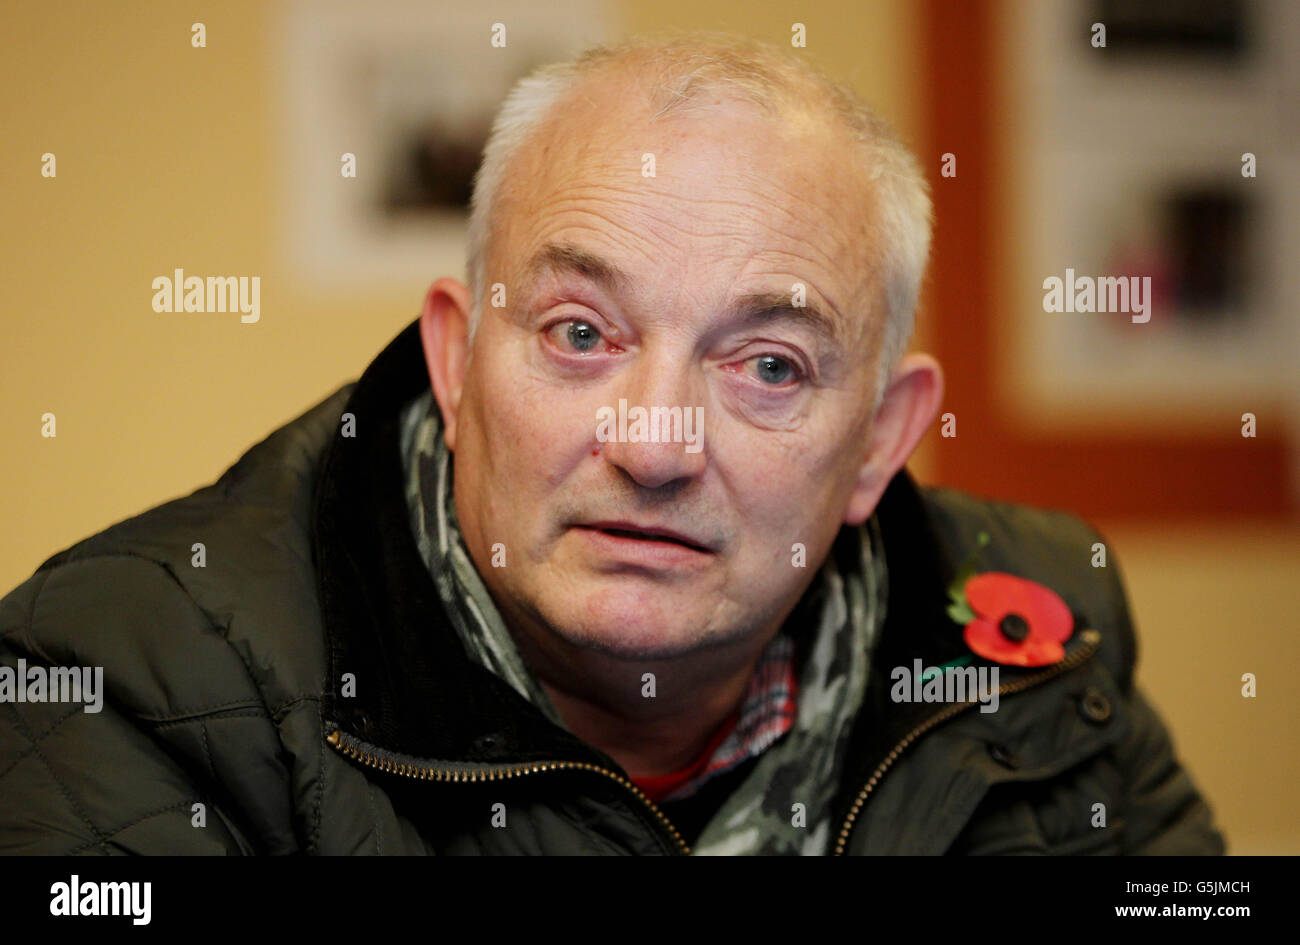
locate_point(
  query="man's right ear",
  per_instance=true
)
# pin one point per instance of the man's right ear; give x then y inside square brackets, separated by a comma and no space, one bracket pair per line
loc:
[444,330]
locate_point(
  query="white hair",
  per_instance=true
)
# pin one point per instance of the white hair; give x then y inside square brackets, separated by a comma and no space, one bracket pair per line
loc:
[688,64]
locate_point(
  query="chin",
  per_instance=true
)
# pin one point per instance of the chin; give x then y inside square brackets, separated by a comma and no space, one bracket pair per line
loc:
[629,626]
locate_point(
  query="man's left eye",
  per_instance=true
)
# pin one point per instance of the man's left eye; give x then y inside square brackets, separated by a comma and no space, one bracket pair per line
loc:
[774,370]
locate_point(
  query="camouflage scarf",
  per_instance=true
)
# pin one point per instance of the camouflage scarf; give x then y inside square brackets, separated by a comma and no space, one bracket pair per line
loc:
[802,767]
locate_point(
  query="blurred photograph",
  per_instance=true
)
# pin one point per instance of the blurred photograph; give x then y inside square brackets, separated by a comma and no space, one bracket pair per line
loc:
[632,429]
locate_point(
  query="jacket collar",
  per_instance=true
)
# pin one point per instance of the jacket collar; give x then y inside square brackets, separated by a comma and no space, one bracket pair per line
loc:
[415,691]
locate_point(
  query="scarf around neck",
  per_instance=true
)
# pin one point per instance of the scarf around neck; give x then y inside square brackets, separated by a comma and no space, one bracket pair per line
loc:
[783,806]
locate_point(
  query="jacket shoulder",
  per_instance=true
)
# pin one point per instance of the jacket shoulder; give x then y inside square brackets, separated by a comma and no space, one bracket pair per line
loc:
[1053,547]
[202,616]
[1157,799]
[232,560]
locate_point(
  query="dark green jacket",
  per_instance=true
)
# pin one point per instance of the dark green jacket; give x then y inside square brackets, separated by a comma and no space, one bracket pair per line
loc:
[223,686]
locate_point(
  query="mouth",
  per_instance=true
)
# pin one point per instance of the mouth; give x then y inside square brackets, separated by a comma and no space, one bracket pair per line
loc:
[654,533]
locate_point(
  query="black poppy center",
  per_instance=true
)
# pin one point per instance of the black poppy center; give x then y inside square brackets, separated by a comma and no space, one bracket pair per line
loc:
[1014,627]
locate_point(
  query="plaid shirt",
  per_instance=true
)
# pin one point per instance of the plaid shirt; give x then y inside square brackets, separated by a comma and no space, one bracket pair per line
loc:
[766,713]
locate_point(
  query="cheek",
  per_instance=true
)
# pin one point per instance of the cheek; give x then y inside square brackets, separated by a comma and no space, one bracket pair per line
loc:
[533,435]
[785,488]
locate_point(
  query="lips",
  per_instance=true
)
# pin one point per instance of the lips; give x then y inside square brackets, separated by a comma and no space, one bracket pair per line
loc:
[656,533]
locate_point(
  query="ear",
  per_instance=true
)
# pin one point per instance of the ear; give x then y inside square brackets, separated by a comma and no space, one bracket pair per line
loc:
[444,330]
[909,405]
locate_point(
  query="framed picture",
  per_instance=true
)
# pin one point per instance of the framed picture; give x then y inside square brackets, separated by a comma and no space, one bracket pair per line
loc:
[1174,241]
[1114,284]
[386,107]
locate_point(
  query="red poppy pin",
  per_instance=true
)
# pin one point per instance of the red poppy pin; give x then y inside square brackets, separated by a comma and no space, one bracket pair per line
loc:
[1009,619]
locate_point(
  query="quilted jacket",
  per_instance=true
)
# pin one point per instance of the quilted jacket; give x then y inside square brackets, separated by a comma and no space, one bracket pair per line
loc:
[225,728]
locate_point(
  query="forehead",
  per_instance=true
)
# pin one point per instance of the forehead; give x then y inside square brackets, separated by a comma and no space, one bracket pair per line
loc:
[736,193]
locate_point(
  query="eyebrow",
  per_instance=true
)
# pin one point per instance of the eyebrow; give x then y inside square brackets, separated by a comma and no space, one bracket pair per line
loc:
[759,308]
[563,257]
[764,307]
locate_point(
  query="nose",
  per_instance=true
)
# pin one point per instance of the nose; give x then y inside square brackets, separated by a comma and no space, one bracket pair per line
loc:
[658,430]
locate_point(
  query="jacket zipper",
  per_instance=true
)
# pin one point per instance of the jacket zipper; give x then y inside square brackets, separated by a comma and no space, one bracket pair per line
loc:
[371,757]
[1091,638]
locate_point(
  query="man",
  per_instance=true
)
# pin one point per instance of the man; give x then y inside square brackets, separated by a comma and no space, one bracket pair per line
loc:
[612,551]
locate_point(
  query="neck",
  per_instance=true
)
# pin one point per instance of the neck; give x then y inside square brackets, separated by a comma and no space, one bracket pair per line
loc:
[608,702]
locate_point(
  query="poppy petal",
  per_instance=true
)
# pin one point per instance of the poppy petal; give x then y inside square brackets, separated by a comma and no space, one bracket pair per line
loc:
[993,595]
[985,638]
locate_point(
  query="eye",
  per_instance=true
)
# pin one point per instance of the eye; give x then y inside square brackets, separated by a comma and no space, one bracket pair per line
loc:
[774,370]
[576,335]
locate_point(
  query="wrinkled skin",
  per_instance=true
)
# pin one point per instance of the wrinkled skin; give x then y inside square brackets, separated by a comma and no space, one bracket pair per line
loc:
[740,204]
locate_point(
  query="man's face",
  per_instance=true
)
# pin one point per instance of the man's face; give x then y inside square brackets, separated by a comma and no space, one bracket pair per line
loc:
[677,290]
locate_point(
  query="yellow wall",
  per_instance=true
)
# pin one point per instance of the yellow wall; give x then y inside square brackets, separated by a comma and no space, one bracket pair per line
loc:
[164,160]
[167,157]
[1211,604]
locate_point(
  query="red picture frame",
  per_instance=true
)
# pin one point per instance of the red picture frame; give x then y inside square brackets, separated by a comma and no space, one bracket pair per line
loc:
[1155,474]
